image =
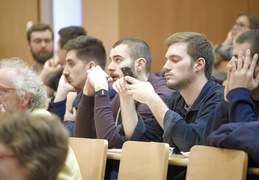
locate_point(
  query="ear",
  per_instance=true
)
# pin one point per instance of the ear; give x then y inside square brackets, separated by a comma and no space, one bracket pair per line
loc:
[140,64]
[90,64]
[199,64]
[26,99]
[29,44]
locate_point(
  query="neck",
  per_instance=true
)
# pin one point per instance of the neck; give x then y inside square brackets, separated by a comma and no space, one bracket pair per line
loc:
[142,76]
[193,90]
[37,67]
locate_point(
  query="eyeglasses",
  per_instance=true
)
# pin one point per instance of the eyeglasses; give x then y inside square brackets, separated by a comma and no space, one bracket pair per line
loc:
[4,90]
[2,156]
[240,25]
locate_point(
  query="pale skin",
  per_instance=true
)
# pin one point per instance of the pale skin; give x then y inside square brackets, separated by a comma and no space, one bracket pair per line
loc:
[8,165]
[41,43]
[177,66]
[243,72]
[53,66]
[9,101]
[71,80]
[98,79]
[237,30]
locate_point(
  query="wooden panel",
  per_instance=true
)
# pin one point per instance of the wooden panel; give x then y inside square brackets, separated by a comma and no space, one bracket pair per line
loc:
[253,7]
[14,15]
[154,21]
[100,19]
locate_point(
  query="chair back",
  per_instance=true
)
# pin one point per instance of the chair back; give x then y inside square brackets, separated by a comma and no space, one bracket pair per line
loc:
[143,160]
[216,163]
[91,155]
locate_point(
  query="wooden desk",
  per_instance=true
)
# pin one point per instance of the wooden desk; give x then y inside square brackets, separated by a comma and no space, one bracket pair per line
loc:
[176,159]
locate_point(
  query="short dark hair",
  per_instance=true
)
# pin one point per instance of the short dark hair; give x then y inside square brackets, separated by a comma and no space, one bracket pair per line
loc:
[39,27]
[137,49]
[198,47]
[88,49]
[251,37]
[69,33]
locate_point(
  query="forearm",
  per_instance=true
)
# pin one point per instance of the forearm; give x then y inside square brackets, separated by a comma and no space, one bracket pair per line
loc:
[61,94]
[129,115]
[106,127]
[84,126]
[241,107]
[158,108]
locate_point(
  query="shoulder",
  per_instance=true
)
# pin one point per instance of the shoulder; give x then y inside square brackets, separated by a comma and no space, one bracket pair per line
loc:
[71,170]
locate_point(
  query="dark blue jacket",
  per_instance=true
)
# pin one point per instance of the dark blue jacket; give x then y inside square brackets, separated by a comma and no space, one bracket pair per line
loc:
[182,128]
[235,125]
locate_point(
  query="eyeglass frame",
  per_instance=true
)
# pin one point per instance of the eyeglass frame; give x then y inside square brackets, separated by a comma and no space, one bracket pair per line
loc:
[240,25]
[7,156]
[4,90]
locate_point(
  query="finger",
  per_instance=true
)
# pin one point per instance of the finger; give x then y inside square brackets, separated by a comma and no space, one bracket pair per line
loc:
[257,79]
[247,59]
[234,65]
[117,85]
[110,80]
[239,60]
[253,63]
[130,79]
[233,59]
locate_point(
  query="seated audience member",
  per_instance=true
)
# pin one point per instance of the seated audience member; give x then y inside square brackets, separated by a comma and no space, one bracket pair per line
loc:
[52,69]
[40,42]
[234,122]
[21,90]
[96,115]
[26,150]
[83,53]
[243,23]
[181,119]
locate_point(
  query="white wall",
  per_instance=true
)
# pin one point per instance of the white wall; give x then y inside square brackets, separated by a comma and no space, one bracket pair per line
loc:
[60,14]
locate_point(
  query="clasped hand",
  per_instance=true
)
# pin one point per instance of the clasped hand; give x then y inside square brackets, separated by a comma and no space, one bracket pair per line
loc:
[241,72]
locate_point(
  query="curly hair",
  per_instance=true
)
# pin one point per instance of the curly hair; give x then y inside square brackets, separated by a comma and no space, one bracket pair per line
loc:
[27,82]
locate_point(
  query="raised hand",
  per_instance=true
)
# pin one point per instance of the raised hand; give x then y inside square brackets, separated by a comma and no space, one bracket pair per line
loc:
[242,73]
[140,91]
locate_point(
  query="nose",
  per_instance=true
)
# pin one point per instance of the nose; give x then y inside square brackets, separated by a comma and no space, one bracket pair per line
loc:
[111,67]
[43,43]
[66,70]
[168,66]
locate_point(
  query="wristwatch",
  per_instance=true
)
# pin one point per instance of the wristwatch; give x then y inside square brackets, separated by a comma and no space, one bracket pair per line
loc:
[101,92]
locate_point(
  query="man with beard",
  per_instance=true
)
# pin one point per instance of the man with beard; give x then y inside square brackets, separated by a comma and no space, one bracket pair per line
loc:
[96,110]
[40,41]
[181,119]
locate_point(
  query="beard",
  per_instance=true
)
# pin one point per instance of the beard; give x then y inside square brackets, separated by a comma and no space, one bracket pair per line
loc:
[42,58]
[182,83]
